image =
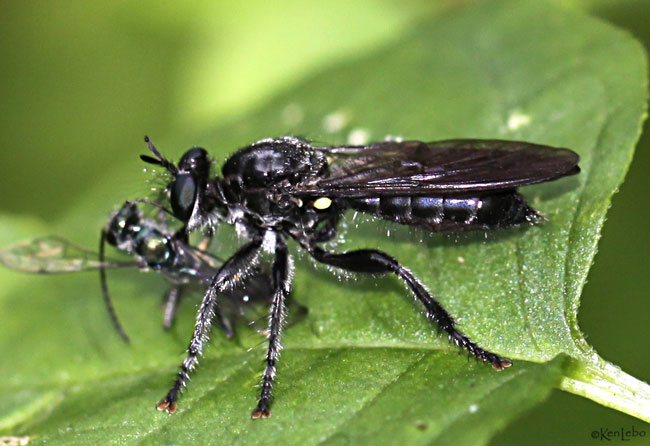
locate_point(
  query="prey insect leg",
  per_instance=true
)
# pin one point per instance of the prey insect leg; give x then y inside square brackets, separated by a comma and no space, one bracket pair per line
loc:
[229,275]
[172,303]
[281,288]
[372,261]
[172,300]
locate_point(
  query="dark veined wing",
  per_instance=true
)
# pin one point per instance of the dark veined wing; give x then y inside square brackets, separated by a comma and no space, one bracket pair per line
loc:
[442,167]
[53,255]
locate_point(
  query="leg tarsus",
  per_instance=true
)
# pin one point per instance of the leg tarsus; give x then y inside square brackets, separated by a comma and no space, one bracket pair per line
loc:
[261,411]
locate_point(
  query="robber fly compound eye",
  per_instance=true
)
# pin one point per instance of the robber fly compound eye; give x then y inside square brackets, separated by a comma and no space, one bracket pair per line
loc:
[183,196]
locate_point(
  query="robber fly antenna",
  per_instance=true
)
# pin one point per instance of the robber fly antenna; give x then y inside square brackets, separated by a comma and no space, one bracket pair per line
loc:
[107,296]
[160,159]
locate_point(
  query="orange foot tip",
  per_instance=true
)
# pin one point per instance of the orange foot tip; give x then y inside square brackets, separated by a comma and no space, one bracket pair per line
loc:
[504,364]
[167,406]
[260,413]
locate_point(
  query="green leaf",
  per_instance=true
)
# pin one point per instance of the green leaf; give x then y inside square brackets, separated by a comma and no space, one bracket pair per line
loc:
[365,366]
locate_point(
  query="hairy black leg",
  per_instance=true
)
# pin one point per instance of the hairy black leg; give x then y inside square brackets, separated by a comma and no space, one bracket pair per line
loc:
[105,293]
[372,261]
[233,271]
[281,288]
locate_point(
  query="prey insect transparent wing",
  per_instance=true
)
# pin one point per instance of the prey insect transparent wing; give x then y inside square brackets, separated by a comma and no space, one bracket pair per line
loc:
[55,255]
[440,168]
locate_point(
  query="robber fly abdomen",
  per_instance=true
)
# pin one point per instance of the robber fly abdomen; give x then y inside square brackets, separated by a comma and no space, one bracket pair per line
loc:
[453,214]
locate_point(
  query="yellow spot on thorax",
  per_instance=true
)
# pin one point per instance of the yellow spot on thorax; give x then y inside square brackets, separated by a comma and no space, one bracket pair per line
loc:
[322,203]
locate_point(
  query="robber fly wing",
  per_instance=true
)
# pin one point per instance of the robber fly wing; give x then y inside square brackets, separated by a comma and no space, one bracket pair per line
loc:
[53,255]
[443,167]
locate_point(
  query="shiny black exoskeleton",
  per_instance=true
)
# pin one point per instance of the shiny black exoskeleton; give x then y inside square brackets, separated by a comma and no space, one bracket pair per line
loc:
[280,189]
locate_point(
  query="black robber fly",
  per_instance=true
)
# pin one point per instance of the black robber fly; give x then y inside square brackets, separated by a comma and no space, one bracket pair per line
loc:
[152,246]
[280,189]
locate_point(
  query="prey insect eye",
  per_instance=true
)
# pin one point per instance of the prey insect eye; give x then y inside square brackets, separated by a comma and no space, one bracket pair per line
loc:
[183,196]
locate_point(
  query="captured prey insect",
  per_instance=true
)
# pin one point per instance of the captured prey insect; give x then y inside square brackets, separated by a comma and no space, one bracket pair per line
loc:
[285,188]
[152,247]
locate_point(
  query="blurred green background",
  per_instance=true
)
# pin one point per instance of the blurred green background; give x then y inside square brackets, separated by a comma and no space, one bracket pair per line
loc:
[82,83]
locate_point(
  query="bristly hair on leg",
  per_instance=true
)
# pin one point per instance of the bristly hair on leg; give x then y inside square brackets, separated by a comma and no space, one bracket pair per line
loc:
[282,275]
[234,271]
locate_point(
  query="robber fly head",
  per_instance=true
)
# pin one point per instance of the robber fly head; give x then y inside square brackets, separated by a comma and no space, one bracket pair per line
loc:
[190,181]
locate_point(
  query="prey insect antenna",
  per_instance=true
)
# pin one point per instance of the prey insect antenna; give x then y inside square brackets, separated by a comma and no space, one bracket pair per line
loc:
[104,284]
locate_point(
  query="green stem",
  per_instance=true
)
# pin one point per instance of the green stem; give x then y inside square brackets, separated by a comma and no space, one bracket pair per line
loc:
[608,385]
